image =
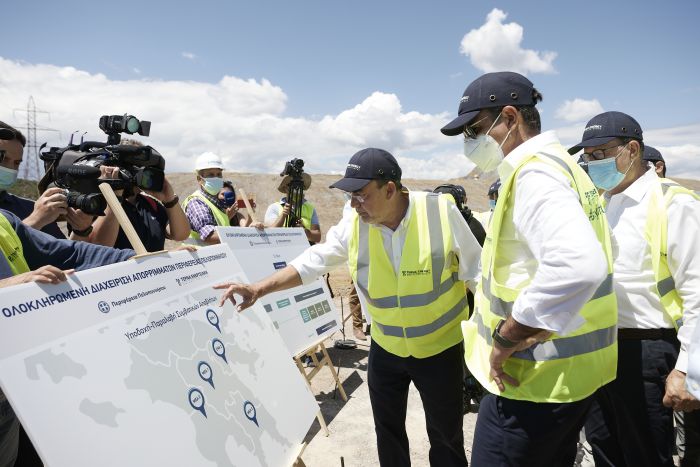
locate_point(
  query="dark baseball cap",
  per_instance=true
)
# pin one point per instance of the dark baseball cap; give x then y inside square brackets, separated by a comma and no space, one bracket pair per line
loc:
[607,126]
[652,154]
[495,186]
[490,90]
[367,165]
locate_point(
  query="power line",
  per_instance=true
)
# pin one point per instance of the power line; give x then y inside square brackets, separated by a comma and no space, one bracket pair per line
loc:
[31,168]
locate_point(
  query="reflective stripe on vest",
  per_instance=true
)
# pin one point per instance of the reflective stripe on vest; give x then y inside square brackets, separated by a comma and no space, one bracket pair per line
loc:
[416,310]
[655,232]
[562,368]
[11,247]
[219,216]
[436,247]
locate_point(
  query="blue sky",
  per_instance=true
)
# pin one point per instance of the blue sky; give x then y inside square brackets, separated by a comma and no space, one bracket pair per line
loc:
[260,82]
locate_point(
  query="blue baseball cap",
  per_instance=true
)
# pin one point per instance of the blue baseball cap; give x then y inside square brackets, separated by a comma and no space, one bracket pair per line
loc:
[652,154]
[495,186]
[367,165]
[607,126]
[490,90]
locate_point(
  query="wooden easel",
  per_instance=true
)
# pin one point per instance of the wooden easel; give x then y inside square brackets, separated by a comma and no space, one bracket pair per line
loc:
[318,366]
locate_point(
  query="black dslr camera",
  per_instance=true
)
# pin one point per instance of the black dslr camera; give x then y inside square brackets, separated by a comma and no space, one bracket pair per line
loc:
[295,193]
[76,167]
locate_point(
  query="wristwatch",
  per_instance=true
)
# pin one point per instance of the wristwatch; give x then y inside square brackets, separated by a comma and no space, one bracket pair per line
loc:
[83,233]
[499,339]
[172,202]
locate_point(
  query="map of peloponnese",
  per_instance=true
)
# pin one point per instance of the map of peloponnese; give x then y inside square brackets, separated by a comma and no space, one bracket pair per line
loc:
[182,383]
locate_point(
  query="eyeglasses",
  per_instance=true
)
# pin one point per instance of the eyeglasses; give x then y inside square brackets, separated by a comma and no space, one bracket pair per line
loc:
[599,154]
[360,199]
[470,131]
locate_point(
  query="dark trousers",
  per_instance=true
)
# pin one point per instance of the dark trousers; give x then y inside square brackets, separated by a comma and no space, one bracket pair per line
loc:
[521,433]
[439,382]
[629,426]
[691,454]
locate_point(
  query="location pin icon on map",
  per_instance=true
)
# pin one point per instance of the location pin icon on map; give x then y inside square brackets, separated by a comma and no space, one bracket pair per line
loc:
[213,319]
[204,370]
[197,400]
[219,349]
[250,412]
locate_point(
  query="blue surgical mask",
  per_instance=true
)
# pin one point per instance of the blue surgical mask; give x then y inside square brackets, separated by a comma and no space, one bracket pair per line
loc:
[492,204]
[604,173]
[213,185]
[8,177]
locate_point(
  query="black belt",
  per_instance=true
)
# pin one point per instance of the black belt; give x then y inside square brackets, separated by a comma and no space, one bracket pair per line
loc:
[631,333]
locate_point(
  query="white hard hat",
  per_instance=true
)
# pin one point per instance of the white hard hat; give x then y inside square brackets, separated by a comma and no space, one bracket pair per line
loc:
[208,160]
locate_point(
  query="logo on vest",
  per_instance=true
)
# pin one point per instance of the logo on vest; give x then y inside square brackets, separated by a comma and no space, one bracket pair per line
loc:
[13,256]
[416,272]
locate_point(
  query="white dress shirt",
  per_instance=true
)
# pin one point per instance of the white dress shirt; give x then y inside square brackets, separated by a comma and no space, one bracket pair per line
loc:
[324,257]
[549,243]
[638,303]
[692,381]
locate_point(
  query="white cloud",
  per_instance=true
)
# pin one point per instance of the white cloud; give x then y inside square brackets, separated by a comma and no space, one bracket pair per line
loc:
[189,55]
[242,120]
[579,110]
[496,46]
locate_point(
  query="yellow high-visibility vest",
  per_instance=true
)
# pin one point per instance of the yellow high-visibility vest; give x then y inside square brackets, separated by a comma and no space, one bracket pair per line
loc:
[11,247]
[563,368]
[307,213]
[219,216]
[417,310]
[656,229]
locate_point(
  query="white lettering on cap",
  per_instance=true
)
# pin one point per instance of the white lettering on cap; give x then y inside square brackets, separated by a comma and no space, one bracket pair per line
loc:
[593,127]
[354,167]
[464,99]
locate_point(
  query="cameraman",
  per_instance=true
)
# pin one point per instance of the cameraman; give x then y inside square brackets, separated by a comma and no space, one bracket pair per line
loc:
[277,213]
[460,197]
[42,213]
[154,215]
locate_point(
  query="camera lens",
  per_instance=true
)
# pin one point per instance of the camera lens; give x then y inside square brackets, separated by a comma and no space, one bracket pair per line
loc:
[132,124]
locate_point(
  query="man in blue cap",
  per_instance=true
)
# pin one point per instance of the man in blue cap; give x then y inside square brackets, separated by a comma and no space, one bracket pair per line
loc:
[408,255]
[656,226]
[541,340]
[653,156]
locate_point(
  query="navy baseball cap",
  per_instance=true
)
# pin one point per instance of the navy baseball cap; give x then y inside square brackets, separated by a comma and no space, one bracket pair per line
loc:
[495,186]
[490,90]
[652,154]
[367,165]
[606,127]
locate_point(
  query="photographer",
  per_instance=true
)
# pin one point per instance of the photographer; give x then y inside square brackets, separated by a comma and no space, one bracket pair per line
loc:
[460,196]
[277,214]
[154,215]
[42,213]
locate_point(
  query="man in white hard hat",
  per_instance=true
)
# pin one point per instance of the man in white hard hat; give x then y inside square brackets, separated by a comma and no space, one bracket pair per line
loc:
[203,208]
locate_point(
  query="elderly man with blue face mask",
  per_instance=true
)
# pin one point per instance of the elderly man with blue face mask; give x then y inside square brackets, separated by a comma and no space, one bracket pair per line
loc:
[656,226]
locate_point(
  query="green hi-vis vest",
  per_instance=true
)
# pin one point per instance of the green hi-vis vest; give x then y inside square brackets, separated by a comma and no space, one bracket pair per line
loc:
[219,216]
[655,233]
[417,310]
[11,247]
[562,368]
[307,212]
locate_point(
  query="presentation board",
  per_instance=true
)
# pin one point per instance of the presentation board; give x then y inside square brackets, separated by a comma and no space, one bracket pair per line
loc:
[304,315]
[136,364]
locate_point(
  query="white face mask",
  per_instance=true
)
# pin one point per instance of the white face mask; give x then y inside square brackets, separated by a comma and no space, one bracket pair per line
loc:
[484,151]
[8,177]
[213,185]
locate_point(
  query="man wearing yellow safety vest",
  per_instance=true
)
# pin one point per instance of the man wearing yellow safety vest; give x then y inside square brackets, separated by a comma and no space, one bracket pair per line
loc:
[277,213]
[408,254]
[656,231]
[203,208]
[542,339]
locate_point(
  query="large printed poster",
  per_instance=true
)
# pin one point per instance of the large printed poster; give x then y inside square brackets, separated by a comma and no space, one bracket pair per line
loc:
[304,315]
[136,364]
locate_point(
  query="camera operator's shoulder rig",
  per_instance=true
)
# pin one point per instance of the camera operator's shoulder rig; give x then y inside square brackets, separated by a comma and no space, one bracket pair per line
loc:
[76,167]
